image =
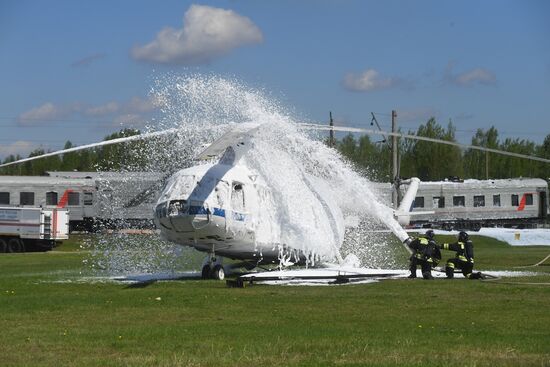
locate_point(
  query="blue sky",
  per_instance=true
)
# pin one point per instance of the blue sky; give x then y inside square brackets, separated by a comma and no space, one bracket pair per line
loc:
[79,70]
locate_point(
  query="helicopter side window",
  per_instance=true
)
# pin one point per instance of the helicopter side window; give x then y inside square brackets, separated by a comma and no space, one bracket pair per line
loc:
[237,197]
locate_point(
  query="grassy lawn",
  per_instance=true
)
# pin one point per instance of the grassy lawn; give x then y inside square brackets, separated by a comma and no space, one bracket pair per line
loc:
[45,322]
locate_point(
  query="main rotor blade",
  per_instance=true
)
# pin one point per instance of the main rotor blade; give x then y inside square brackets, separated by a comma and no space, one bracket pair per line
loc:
[309,126]
[423,138]
[94,145]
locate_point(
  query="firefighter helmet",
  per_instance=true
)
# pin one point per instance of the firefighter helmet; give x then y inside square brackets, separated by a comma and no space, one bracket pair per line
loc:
[430,234]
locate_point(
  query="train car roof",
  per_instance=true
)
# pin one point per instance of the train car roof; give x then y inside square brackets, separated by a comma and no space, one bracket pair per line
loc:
[497,183]
[78,178]
[104,174]
[44,180]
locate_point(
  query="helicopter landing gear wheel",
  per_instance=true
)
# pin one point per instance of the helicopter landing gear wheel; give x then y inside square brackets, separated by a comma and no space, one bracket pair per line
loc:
[218,273]
[212,267]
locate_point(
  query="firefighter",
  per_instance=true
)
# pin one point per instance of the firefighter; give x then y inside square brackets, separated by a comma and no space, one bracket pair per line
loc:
[464,257]
[425,253]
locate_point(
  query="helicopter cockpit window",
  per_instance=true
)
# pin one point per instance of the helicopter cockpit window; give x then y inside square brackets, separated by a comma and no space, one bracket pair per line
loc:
[237,197]
[177,207]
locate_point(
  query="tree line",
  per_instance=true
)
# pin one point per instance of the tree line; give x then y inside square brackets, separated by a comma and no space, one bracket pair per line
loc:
[425,160]
[433,162]
[107,158]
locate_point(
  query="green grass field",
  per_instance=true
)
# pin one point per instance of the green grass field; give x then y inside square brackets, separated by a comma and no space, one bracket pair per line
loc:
[47,320]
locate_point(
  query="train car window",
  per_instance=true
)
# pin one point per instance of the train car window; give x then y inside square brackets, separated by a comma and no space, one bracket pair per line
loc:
[74,198]
[479,200]
[515,200]
[88,198]
[496,200]
[5,198]
[51,198]
[26,198]
[459,201]
[439,201]
[528,199]
[418,202]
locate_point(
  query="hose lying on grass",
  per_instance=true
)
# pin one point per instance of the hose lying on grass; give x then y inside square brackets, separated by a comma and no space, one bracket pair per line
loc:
[532,266]
[498,280]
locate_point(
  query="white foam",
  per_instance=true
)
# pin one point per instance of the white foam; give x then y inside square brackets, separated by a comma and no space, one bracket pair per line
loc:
[287,158]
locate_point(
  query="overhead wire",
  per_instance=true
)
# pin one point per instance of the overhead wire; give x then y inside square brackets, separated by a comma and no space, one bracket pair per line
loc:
[432,140]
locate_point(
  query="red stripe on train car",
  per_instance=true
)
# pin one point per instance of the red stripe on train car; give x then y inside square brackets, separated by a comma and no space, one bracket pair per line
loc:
[64,199]
[54,223]
[522,203]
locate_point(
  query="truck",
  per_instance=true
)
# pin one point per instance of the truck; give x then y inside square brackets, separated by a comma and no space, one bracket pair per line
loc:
[32,229]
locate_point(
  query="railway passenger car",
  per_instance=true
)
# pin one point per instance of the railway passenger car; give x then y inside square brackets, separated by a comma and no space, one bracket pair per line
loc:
[471,204]
[115,199]
[105,198]
[77,195]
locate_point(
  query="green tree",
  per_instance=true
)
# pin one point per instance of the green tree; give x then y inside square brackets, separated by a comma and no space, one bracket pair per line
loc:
[348,147]
[432,161]
[474,160]
[543,151]
[121,156]
[517,167]
[70,160]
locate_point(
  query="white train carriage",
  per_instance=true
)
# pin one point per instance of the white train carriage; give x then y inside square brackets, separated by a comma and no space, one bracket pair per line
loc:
[77,195]
[111,198]
[127,198]
[476,203]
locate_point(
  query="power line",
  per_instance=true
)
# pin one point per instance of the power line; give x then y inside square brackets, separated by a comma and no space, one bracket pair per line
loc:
[423,138]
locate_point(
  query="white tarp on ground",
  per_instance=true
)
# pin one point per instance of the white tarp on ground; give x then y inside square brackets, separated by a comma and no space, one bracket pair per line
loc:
[312,276]
[515,237]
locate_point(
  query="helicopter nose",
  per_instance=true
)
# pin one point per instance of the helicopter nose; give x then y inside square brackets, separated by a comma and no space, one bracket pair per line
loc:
[183,216]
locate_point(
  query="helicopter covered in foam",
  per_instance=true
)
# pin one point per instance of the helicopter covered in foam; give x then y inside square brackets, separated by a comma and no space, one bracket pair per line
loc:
[217,208]
[223,207]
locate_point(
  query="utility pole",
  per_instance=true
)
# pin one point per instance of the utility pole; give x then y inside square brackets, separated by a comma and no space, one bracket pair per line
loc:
[394,147]
[331,132]
[486,165]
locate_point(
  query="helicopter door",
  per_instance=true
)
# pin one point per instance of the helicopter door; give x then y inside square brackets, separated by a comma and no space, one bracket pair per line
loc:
[238,201]
[237,197]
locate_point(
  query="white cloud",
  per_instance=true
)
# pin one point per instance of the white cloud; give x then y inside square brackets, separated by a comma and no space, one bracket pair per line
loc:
[470,77]
[49,112]
[46,112]
[133,106]
[141,105]
[369,80]
[104,109]
[207,33]
[21,147]
[477,75]
[128,119]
